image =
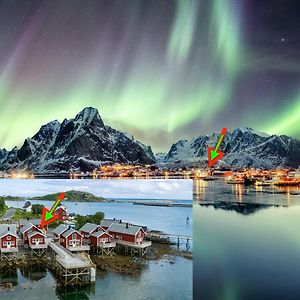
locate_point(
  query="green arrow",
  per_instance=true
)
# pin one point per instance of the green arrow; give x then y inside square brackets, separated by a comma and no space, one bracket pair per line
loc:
[213,153]
[49,214]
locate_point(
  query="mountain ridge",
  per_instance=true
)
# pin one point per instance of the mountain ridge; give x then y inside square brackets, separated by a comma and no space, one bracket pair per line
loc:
[85,142]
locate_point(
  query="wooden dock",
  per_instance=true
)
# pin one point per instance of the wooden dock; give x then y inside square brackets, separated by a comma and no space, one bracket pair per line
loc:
[71,268]
[133,248]
[162,236]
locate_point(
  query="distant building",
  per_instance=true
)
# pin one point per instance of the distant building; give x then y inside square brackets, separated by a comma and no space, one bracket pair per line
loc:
[27,206]
[62,213]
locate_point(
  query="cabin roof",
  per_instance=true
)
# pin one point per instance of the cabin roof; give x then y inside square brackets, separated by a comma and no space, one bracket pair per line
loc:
[89,227]
[33,233]
[35,222]
[70,231]
[108,222]
[99,233]
[6,229]
[62,207]
[60,229]
[26,227]
[123,228]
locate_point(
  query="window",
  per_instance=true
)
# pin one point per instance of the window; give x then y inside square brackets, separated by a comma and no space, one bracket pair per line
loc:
[74,236]
[9,237]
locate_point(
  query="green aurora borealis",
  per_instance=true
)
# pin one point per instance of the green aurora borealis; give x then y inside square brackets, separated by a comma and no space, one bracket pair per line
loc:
[161,70]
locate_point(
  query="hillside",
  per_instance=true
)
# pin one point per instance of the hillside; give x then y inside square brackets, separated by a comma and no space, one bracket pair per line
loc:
[73,195]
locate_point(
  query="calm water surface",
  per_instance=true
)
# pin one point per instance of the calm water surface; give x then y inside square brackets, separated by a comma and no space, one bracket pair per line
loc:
[167,219]
[246,256]
[159,280]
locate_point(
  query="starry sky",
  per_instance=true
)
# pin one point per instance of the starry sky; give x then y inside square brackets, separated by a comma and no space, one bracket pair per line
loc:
[160,70]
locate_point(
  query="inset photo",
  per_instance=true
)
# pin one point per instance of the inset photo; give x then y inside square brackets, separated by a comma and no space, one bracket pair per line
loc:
[62,238]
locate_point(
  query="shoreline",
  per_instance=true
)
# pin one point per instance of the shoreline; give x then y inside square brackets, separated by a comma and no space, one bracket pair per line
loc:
[117,263]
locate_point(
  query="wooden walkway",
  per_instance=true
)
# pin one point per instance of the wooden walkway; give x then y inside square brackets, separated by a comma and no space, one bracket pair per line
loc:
[169,235]
[71,268]
[67,259]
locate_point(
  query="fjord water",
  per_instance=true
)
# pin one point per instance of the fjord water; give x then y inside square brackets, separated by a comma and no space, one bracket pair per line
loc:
[249,253]
[159,280]
[171,220]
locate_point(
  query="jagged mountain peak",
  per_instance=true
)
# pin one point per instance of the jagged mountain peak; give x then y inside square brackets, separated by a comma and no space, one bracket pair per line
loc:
[81,144]
[243,147]
[89,115]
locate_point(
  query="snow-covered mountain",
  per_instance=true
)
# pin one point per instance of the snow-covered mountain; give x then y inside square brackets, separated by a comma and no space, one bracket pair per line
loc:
[243,147]
[81,144]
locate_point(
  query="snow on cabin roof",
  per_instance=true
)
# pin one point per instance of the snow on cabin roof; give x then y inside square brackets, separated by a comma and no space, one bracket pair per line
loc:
[99,233]
[123,228]
[108,222]
[34,232]
[70,231]
[8,229]
[60,229]
[89,227]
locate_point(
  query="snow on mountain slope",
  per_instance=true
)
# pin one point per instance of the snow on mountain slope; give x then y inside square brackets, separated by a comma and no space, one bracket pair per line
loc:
[243,148]
[82,144]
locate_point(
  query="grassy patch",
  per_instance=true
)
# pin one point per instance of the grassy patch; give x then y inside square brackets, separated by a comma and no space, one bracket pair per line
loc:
[22,214]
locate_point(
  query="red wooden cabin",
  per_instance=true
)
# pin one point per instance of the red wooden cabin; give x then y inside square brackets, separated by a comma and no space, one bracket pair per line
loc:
[8,238]
[62,213]
[71,239]
[125,232]
[100,237]
[36,239]
[89,228]
[58,231]
[26,230]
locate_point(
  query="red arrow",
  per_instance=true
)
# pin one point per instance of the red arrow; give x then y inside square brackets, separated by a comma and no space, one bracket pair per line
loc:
[213,153]
[48,216]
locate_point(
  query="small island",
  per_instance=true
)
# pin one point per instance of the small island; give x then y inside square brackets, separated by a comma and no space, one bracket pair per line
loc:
[72,195]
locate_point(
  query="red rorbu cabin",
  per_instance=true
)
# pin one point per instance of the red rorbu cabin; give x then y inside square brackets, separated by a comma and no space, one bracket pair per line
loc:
[8,240]
[125,232]
[72,240]
[99,238]
[26,230]
[89,228]
[62,213]
[37,242]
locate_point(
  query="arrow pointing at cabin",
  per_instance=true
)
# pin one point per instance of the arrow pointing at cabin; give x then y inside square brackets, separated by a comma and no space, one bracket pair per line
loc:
[213,153]
[48,216]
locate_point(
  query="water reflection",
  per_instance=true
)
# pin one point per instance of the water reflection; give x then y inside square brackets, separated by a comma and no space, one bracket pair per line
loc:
[72,292]
[8,276]
[34,272]
[219,190]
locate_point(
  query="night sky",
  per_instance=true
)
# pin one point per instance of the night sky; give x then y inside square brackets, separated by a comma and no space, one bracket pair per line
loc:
[161,70]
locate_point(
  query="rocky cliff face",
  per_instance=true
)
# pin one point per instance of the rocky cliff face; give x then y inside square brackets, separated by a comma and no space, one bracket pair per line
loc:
[243,148]
[81,144]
